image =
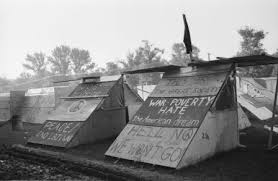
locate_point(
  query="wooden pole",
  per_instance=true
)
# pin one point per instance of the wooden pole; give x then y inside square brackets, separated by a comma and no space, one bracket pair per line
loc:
[123,88]
[273,116]
[191,57]
[208,56]
[124,103]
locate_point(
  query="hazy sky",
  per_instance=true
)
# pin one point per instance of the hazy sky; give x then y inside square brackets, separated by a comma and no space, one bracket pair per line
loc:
[109,29]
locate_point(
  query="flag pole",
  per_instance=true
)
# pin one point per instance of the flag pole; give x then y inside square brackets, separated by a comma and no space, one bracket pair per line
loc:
[273,116]
[187,39]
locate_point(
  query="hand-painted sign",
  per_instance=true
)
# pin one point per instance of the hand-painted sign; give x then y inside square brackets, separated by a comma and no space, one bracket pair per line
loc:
[162,129]
[77,106]
[173,112]
[56,133]
[155,145]
[189,86]
[75,110]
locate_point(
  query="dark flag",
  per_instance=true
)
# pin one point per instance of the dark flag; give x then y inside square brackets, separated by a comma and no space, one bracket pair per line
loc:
[186,38]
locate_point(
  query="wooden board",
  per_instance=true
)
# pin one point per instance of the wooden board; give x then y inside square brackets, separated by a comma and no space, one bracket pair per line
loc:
[92,89]
[74,110]
[261,113]
[40,91]
[35,114]
[161,131]
[173,112]
[218,133]
[45,101]
[56,133]
[189,86]
[155,145]
[4,114]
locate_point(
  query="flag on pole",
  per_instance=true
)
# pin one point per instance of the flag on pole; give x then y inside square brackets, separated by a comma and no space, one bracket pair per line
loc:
[186,38]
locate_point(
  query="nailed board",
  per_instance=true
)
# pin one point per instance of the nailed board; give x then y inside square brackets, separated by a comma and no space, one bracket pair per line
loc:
[217,133]
[189,86]
[56,133]
[173,112]
[39,101]
[254,89]
[160,132]
[92,89]
[74,110]
[35,114]
[4,114]
[155,145]
[261,113]
[40,91]
[4,108]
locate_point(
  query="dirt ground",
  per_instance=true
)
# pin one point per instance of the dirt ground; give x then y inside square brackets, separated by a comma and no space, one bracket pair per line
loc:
[15,168]
[252,163]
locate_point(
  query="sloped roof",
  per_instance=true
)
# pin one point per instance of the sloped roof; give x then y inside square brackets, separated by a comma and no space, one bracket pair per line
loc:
[243,61]
[97,89]
[164,68]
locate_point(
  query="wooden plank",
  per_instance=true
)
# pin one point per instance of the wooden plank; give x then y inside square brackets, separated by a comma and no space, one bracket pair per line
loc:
[5,105]
[84,97]
[218,133]
[189,86]
[155,145]
[45,101]
[35,114]
[173,112]
[56,133]
[92,89]
[4,114]
[40,91]
[261,113]
[74,110]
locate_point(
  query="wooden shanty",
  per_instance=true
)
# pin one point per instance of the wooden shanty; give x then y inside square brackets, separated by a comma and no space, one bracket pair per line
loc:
[191,114]
[96,109]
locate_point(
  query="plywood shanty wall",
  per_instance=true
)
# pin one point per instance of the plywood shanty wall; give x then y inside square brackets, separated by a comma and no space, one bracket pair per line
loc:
[56,133]
[64,123]
[163,128]
[35,105]
[79,120]
[5,107]
[217,133]
[75,110]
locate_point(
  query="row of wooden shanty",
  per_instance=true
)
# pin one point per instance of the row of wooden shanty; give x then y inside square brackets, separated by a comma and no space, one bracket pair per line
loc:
[191,114]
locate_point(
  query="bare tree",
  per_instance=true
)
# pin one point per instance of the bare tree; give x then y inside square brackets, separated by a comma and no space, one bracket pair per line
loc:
[37,63]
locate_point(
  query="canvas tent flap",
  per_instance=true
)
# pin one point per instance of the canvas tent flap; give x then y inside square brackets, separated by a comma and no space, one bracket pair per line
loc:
[75,110]
[161,131]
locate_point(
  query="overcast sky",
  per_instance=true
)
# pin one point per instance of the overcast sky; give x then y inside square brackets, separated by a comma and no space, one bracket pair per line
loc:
[109,29]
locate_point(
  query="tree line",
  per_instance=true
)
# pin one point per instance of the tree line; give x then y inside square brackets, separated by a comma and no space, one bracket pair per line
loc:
[66,60]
